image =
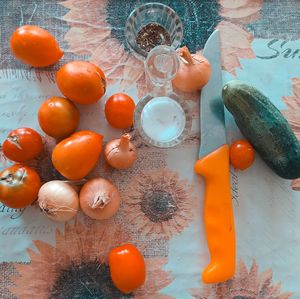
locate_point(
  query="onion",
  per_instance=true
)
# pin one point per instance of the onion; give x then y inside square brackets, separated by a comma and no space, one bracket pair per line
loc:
[99,199]
[194,71]
[120,153]
[58,200]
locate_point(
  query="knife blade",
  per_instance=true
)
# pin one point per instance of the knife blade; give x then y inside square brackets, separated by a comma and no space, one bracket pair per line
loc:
[213,165]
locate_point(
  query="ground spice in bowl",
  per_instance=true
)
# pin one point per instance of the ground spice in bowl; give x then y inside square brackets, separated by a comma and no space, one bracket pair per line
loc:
[152,35]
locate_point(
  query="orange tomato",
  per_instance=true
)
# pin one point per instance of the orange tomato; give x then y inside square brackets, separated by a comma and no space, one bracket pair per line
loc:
[75,156]
[58,117]
[242,154]
[22,144]
[35,46]
[19,186]
[127,268]
[119,111]
[81,82]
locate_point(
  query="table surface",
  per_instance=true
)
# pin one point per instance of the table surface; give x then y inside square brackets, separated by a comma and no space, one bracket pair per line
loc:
[162,199]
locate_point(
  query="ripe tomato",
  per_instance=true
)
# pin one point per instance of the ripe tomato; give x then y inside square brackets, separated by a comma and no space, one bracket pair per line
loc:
[242,154]
[81,82]
[75,156]
[119,110]
[22,144]
[35,46]
[19,186]
[127,268]
[58,117]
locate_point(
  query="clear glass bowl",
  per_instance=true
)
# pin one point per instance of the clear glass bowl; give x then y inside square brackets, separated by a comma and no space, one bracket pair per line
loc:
[162,121]
[156,13]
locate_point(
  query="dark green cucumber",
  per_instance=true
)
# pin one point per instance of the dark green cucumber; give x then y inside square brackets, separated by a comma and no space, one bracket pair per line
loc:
[265,128]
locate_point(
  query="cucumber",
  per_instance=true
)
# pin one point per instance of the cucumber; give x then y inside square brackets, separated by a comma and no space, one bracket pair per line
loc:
[265,128]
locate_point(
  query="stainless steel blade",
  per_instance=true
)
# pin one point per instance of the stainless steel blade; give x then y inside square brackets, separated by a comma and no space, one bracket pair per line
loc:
[212,124]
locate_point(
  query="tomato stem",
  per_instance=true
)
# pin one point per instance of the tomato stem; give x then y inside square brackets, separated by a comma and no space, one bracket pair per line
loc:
[9,178]
[15,140]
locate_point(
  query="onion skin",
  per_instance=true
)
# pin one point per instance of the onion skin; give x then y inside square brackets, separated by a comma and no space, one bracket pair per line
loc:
[99,199]
[194,71]
[120,153]
[58,200]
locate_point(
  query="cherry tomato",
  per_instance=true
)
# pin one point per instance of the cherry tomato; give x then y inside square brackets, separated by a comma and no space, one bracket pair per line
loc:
[242,154]
[82,82]
[58,117]
[19,186]
[127,268]
[22,144]
[119,111]
[35,46]
[75,156]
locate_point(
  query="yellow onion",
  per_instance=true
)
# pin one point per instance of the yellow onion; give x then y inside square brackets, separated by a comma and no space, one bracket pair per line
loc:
[193,73]
[120,153]
[58,200]
[99,199]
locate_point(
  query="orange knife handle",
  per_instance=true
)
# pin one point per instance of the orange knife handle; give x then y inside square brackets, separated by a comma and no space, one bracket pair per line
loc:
[218,215]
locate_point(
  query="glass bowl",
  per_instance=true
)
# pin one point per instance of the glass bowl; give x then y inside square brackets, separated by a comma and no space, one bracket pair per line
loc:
[162,121]
[156,13]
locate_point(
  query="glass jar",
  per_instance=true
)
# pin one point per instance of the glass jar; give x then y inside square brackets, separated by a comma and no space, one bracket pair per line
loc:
[168,30]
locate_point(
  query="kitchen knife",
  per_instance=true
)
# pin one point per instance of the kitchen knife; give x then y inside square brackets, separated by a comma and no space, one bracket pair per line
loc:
[213,165]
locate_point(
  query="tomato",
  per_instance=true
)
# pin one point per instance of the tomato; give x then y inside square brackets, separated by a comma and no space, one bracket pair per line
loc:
[242,154]
[119,111]
[127,268]
[22,144]
[19,186]
[75,156]
[81,82]
[58,117]
[35,46]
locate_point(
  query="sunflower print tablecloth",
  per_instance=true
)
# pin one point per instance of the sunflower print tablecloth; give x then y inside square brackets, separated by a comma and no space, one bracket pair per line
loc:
[162,199]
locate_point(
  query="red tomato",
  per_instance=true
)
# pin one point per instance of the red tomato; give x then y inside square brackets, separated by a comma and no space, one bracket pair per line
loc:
[58,117]
[127,268]
[242,154]
[119,110]
[75,156]
[35,46]
[19,186]
[81,81]
[22,144]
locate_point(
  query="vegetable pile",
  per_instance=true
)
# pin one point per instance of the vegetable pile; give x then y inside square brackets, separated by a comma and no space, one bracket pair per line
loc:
[75,154]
